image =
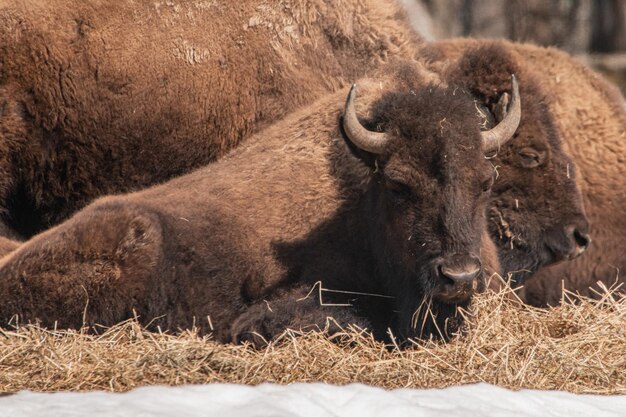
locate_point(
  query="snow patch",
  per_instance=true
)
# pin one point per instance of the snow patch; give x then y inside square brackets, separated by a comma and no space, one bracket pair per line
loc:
[318,400]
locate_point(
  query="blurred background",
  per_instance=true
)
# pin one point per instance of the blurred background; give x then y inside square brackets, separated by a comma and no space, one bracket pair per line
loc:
[593,30]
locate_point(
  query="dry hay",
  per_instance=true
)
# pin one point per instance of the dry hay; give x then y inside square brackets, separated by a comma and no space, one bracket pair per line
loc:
[579,347]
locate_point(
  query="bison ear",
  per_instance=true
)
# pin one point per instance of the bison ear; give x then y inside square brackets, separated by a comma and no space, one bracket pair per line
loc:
[487,119]
[493,114]
[502,107]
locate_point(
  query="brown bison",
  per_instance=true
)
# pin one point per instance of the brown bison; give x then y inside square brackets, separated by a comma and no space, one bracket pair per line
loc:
[593,120]
[100,97]
[82,119]
[393,206]
[536,215]
[591,116]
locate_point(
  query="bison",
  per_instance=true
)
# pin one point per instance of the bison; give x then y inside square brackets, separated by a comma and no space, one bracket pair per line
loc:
[391,204]
[82,119]
[76,108]
[112,96]
[536,215]
[593,122]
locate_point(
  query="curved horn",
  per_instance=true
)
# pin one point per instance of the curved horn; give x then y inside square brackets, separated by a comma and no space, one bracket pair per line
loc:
[374,142]
[493,139]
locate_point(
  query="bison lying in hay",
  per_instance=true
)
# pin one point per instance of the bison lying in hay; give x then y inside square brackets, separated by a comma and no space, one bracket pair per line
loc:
[106,97]
[393,213]
[593,122]
[590,118]
[75,108]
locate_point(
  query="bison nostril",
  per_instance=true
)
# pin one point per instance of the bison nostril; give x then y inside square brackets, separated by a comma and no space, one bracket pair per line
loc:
[582,239]
[446,279]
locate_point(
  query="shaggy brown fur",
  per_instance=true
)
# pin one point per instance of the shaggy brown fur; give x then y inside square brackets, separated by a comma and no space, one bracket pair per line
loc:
[536,216]
[295,205]
[76,108]
[590,119]
[110,96]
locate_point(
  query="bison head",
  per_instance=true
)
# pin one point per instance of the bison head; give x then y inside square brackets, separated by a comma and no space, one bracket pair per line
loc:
[537,213]
[430,186]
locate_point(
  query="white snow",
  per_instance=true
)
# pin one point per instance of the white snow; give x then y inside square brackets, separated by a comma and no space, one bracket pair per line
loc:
[315,400]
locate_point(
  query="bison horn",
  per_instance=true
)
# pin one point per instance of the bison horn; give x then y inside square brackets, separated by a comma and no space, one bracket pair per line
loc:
[503,131]
[374,142]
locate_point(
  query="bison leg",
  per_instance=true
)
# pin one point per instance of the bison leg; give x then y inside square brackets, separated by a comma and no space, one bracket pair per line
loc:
[93,269]
[294,309]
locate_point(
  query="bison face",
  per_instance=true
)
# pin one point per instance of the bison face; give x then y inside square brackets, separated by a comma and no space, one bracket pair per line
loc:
[536,214]
[428,226]
[430,188]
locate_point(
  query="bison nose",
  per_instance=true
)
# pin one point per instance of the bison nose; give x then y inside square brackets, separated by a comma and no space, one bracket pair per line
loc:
[580,241]
[457,277]
[460,277]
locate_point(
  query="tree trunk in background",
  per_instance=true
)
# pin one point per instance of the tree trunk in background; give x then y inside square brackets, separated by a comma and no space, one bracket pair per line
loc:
[608,19]
[576,26]
[580,27]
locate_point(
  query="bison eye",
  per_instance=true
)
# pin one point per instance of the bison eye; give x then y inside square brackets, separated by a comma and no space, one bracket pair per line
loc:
[531,158]
[487,184]
[399,188]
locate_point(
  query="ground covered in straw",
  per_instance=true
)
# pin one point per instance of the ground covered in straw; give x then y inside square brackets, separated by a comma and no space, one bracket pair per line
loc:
[578,347]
